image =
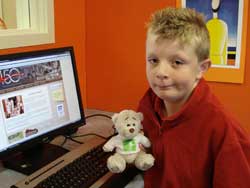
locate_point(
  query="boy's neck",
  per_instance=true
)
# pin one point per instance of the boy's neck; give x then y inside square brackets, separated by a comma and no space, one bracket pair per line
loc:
[171,108]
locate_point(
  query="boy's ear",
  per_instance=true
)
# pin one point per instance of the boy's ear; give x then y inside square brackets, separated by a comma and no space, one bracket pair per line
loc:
[204,66]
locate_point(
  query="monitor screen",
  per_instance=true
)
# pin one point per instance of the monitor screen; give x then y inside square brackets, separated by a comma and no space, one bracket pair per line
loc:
[39,97]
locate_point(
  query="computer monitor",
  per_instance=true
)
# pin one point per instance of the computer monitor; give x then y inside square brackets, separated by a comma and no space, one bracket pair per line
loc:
[39,100]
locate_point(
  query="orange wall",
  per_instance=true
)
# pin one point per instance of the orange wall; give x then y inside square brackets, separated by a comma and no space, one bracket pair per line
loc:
[115,37]
[69,31]
[115,59]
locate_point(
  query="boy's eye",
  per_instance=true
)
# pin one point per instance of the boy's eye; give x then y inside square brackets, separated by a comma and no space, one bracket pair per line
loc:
[153,61]
[177,63]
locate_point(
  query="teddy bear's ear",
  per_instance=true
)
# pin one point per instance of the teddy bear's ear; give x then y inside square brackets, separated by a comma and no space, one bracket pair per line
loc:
[139,115]
[115,117]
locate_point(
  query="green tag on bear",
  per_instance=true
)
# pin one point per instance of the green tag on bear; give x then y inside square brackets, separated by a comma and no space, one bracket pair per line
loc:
[129,145]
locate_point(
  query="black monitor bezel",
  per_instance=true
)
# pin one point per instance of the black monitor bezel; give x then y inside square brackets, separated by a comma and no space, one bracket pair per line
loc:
[65,130]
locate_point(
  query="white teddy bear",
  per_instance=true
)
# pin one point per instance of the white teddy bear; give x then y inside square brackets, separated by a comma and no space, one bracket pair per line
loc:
[127,143]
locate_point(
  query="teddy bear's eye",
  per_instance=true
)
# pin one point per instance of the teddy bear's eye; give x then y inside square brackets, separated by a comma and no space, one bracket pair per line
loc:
[128,125]
[134,124]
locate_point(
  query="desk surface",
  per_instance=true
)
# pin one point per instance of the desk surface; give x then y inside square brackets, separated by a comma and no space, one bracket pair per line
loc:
[98,125]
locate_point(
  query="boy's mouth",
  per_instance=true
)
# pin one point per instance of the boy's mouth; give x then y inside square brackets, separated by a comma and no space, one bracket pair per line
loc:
[164,87]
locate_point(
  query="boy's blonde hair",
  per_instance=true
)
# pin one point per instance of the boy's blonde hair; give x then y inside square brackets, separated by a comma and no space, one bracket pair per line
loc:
[183,24]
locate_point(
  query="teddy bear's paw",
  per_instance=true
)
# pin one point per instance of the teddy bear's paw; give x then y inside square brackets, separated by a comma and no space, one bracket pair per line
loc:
[116,164]
[144,161]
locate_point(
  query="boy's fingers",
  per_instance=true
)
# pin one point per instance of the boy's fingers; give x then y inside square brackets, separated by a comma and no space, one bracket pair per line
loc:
[141,147]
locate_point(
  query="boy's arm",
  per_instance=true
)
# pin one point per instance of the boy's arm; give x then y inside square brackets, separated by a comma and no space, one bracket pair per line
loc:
[232,166]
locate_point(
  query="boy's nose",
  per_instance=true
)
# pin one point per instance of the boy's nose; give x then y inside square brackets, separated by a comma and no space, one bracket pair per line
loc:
[161,76]
[163,71]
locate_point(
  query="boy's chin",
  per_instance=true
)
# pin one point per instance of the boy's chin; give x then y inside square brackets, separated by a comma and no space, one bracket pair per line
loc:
[171,98]
[165,94]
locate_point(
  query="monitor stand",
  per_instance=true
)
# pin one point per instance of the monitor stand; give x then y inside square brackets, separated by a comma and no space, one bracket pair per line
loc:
[35,158]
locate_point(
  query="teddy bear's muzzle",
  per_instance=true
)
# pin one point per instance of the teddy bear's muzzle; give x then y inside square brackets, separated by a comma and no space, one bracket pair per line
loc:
[131,130]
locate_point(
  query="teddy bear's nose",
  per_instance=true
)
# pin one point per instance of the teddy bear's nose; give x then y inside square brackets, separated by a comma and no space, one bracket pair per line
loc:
[131,130]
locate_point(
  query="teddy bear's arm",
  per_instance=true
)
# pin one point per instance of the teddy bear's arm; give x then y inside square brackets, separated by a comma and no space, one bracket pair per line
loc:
[110,145]
[144,141]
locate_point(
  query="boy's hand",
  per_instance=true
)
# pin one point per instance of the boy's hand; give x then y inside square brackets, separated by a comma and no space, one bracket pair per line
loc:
[146,150]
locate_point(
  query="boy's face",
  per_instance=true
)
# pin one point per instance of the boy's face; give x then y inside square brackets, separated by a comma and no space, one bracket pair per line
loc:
[172,69]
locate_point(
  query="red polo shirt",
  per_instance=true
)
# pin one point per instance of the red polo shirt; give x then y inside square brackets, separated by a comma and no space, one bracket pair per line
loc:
[201,146]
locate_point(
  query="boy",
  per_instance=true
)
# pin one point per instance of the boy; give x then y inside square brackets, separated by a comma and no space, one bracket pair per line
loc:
[195,142]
